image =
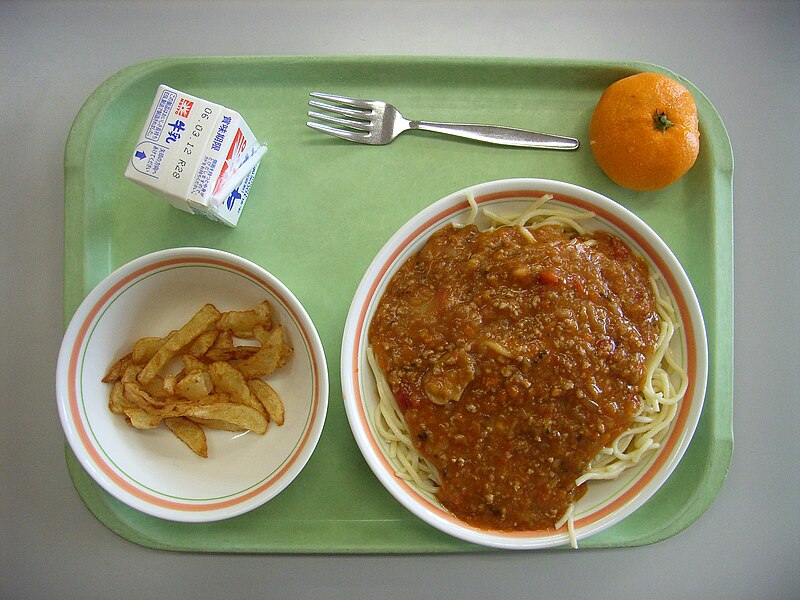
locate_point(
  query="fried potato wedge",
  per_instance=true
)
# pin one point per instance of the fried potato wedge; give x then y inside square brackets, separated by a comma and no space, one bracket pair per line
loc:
[140,418]
[192,363]
[131,374]
[145,348]
[241,322]
[157,388]
[229,354]
[203,343]
[217,424]
[272,355]
[202,320]
[190,433]
[229,380]
[138,397]
[269,399]
[231,412]
[224,341]
[116,399]
[195,385]
[118,368]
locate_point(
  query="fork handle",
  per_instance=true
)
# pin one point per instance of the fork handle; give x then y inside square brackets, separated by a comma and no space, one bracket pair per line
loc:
[495,134]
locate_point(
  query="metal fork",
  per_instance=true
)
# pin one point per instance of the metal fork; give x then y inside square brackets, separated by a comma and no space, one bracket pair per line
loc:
[376,122]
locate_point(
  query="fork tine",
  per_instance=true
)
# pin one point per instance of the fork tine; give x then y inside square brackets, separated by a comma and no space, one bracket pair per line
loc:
[356,113]
[352,136]
[353,124]
[357,102]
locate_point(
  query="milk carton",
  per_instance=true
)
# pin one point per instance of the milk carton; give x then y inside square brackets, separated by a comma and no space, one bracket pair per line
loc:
[201,156]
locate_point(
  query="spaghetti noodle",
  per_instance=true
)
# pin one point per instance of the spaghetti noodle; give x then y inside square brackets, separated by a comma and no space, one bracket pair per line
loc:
[665,382]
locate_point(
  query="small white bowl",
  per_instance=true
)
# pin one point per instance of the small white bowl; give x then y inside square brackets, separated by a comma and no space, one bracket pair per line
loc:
[606,502]
[152,471]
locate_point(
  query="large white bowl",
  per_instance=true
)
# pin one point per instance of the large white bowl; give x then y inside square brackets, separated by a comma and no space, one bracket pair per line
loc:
[605,502]
[151,470]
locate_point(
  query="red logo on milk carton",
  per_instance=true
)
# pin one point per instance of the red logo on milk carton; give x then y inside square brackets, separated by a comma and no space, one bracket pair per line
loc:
[232,160]
[184,107]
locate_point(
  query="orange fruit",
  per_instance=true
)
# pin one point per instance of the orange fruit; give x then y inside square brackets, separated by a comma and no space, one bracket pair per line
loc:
[644,131]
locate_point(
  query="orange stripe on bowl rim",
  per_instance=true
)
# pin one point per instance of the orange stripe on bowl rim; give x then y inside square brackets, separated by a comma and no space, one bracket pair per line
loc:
[90,448]
[680,420]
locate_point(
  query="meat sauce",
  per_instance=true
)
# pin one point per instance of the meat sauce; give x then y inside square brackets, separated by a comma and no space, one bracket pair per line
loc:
[515,362]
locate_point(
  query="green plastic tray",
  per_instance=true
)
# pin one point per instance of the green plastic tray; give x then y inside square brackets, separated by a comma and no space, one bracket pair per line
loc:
[319,211]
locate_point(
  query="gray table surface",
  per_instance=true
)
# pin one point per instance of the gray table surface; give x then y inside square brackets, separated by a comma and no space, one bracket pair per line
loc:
[745,56]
